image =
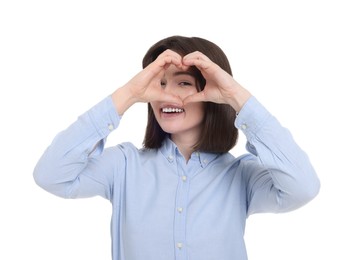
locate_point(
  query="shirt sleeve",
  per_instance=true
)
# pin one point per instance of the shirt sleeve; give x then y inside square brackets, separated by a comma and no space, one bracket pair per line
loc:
[76,164]
[280,177]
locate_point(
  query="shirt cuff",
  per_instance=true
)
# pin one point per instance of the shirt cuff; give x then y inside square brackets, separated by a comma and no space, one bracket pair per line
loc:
[251,117]
[104,117]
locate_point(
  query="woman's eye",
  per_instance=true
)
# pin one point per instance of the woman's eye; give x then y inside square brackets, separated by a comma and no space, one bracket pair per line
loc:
[163,84]
[185,83]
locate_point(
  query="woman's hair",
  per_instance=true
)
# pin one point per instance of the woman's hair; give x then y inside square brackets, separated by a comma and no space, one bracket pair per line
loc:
[218,134]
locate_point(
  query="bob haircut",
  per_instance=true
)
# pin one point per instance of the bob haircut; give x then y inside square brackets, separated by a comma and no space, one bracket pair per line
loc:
[219,134]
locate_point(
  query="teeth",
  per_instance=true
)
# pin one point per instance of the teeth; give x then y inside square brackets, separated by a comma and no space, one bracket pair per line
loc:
[172,110]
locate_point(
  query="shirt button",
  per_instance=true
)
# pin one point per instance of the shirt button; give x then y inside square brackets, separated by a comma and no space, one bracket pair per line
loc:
[184,178]
[110,127]
[244,126]
[204,161]
[170,158]
[179,245]
[180,210]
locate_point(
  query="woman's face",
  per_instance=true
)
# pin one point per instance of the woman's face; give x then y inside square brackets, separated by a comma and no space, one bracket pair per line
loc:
[174,118]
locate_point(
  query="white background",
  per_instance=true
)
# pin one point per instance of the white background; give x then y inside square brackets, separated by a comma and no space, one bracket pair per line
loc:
[58,58]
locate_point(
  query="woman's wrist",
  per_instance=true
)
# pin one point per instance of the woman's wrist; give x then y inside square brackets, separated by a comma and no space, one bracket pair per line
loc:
[239,98]
[122,99]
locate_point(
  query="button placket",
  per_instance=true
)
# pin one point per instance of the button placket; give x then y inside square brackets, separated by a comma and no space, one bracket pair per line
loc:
[179,245]
[180,212]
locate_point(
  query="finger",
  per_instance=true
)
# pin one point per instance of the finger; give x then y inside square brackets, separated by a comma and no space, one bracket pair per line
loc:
[168,60]
[169,57]
[197,97]
[201,62]
[152,73]
[157,68]
[171,52]
[166,97]
[196,55]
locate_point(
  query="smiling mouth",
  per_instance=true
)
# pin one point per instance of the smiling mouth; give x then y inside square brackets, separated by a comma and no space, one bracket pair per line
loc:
[172,110]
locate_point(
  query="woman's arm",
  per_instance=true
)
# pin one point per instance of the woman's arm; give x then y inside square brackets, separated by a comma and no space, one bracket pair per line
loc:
[281,178]
[74,165]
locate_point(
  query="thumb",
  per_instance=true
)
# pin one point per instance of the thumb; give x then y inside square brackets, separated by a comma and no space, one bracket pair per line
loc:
[166,97]
[197,97]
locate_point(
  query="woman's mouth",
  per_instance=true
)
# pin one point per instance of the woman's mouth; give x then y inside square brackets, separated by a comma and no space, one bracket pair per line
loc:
[169,112]
[172,110]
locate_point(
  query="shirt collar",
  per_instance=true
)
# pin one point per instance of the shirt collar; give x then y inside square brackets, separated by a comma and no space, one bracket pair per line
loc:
[170,151]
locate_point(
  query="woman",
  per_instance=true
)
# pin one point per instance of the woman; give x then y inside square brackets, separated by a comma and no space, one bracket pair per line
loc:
[183,195]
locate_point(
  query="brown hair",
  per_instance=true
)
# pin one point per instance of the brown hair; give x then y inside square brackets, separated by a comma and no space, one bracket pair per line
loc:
[218,134]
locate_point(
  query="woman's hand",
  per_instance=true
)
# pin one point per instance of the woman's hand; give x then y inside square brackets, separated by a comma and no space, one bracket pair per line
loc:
[220,86]
[146,85]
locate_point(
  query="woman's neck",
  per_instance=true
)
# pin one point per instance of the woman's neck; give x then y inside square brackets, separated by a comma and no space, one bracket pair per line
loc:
[185,145]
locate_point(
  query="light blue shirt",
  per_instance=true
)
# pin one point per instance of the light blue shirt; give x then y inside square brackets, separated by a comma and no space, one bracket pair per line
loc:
[166,209]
